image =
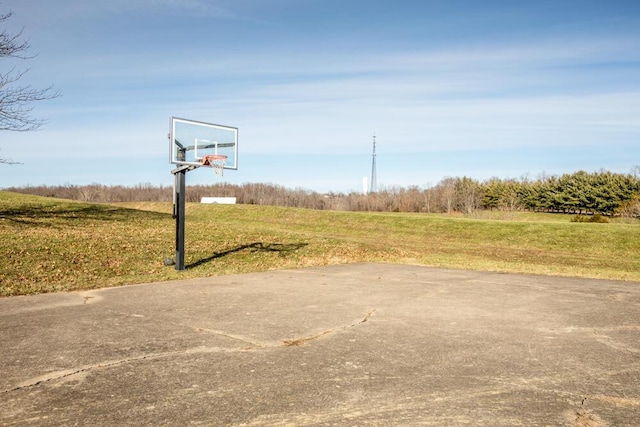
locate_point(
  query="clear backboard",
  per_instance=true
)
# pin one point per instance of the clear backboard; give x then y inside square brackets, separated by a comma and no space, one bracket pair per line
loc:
[192,140]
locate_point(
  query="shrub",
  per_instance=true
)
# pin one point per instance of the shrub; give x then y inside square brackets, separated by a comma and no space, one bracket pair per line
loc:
[593,218]
[579,218]
[599,218]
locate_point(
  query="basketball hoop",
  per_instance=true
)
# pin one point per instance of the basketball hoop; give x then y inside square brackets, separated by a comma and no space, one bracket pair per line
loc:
[216,161]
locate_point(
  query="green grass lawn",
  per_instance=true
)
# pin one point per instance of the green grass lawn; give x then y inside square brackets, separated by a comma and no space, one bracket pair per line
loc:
[52,245]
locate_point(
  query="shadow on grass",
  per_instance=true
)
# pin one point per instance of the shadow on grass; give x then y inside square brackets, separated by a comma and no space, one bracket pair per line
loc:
[281,248]
[48,216]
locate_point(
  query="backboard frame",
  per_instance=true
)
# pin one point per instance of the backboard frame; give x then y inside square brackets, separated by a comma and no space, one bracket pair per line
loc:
[190,140]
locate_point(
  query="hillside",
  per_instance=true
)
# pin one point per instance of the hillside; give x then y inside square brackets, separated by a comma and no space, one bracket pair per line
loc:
[56,245]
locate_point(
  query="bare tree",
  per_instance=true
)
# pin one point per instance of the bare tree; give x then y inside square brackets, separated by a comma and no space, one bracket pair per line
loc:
[16,99]
[446,194]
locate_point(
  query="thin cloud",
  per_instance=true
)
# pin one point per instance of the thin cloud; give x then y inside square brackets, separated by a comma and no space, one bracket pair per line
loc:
[191,7]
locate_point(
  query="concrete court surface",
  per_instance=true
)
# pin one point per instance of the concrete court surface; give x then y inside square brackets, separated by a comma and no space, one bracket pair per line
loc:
[361,344]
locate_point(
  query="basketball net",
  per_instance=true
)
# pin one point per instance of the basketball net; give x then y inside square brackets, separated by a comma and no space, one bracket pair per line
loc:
[216,162]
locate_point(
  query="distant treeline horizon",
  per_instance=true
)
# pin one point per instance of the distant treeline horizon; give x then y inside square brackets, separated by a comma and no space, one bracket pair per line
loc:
[602,192]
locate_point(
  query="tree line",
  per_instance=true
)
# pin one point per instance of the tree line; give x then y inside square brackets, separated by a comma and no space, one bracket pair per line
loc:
[602,192]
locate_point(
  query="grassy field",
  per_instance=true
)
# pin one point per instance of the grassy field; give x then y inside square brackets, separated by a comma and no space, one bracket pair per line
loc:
[53,245]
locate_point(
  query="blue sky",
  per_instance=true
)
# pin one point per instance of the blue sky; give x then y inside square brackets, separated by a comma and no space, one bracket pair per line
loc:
[450,88]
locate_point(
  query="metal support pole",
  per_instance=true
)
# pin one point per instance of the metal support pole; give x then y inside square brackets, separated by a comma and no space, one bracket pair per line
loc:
[179,213]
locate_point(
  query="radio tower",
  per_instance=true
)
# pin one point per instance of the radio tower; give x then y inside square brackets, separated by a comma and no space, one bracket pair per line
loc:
[374,184]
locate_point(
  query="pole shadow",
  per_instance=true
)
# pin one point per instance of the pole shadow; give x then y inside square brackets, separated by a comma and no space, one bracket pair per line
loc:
[281,248]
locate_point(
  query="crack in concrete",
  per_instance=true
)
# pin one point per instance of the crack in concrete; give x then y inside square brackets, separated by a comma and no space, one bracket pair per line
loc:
[57,375]
[52,376]
[251,343]
[224,334]
[586,418]
[296,342]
